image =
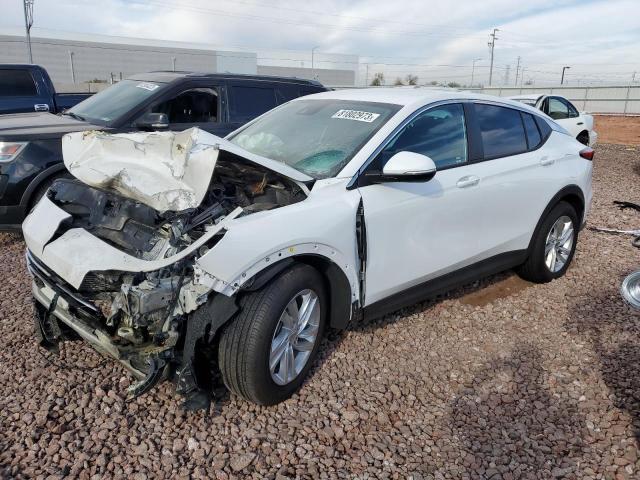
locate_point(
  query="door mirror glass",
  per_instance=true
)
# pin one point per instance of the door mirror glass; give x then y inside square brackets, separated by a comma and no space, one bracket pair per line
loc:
[153,121]
[408,167]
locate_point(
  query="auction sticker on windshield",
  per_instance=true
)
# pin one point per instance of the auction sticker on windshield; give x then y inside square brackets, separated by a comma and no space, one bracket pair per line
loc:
[148,86]
[356,115]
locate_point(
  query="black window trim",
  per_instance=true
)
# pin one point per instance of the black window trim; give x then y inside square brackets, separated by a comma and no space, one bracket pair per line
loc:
[521,111]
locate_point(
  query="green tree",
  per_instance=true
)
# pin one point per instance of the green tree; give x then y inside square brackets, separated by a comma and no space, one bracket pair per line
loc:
[398,82]
[378,79]
[453,85]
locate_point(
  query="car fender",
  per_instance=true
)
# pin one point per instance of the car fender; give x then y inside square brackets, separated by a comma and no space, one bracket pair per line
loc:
[323,225]
[39,180]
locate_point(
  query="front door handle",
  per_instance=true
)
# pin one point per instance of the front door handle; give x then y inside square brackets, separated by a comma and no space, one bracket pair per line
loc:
[545,161]
[580,123]
[468,181]
[41,107]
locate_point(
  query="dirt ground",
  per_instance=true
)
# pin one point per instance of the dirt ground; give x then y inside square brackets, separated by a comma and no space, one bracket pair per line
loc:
[499,380]
[621,130]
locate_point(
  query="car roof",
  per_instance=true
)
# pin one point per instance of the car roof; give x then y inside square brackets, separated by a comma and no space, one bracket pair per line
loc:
[170,76]
[410,96]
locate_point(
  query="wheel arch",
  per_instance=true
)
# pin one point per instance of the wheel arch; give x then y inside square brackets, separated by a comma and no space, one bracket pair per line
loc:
[336,282]
[40,180]
[573,195]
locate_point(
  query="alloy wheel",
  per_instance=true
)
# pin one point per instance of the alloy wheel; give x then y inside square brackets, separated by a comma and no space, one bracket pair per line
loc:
[295,337]
[559,244]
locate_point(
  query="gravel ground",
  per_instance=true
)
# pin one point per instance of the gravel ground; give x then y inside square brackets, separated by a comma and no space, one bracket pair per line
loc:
[502,379]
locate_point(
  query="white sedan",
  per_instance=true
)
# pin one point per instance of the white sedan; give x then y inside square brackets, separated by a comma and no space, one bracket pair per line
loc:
[578,124]
[177,252]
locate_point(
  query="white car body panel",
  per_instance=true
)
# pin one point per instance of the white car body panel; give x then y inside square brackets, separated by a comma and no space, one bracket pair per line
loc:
[323,225]
[422,230]
[575,125]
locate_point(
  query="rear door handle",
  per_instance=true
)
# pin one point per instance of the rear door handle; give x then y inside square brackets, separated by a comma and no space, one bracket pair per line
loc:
[468,181]
[580,123]
[545,161]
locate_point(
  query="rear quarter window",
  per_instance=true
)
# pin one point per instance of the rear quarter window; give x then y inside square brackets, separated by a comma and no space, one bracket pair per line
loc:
[534,139]
[250,102]
[17,83]
[502,131]
[543,126]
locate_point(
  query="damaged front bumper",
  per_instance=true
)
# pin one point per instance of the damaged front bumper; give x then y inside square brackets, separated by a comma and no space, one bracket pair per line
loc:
[59,308]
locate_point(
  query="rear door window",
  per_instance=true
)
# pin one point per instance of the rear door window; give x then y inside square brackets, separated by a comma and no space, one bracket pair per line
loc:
[17,83]
[248,102]
[502,131]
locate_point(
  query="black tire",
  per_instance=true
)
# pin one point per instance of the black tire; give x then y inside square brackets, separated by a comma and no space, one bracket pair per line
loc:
[534,268]
[245,343]
[583,138]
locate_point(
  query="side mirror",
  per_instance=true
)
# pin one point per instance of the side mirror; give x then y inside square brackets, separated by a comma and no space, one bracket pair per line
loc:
[405,167]
[153,121]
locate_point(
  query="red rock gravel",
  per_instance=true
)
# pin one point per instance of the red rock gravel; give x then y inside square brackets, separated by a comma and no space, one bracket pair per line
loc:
[501,379]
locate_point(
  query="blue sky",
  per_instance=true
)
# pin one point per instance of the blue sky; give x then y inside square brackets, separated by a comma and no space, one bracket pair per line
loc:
[436,39]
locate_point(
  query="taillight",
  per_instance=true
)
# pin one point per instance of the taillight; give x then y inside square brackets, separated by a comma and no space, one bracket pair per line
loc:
[587,153]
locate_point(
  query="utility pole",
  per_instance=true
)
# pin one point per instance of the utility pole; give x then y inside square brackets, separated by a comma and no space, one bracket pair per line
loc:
[473,68]
[28,22]
[173,63]
[506,75]
[313,67]
[492,44]
[562,79]
[73,72]
[366,78]
[633,77]
[522,77]
[517,70]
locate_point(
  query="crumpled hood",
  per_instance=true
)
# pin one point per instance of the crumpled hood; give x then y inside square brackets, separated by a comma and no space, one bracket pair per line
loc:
[165,170]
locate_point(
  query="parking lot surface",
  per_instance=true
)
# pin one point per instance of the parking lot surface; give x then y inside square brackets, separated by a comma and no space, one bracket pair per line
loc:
[500,379]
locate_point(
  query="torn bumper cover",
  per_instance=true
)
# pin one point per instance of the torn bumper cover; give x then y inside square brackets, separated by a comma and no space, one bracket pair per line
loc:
[114,256]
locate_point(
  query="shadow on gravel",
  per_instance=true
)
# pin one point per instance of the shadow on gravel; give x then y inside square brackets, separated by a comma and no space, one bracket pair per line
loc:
[508,420]
[613,330]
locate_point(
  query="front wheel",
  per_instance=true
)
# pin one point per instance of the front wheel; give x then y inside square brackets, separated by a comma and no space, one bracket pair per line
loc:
[553,247]
[267,350]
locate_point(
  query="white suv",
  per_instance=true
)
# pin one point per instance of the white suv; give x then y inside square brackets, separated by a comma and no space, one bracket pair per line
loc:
[184,255]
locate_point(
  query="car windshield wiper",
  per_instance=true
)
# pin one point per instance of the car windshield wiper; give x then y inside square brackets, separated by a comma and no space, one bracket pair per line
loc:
[75,116]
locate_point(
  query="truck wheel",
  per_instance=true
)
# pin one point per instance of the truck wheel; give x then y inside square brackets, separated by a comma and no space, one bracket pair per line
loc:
[267,350]
[553,247]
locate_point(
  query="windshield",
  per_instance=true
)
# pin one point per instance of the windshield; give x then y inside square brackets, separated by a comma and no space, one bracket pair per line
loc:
[316,137]
[115,101]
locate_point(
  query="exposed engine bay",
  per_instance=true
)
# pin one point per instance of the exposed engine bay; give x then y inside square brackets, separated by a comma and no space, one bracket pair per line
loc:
[140,317]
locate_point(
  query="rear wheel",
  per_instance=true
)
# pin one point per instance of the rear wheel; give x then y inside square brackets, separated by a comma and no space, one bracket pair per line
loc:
[266,352]
[553,247]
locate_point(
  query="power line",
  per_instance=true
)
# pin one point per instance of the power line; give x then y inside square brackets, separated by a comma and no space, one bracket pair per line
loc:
[297,23]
